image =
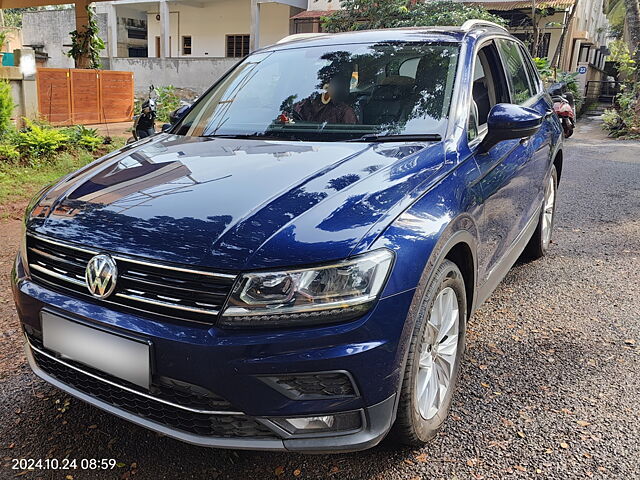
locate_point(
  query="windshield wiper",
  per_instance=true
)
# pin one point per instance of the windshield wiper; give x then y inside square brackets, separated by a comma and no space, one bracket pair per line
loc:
[415,137]
[249,136]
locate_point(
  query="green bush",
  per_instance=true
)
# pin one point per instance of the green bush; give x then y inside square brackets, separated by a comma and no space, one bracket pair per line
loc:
[612,122]
[37,141]
[544,68]
[168,101]
[83,137]
[626,121]
[6,106]
[9,152]
[89,142]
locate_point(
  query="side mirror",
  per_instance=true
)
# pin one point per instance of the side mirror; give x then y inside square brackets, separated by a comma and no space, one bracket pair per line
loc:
[178,113]
[166,127]
[507,122]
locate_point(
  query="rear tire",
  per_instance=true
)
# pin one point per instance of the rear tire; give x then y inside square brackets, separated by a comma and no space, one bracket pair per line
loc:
[433,362]
[541,239]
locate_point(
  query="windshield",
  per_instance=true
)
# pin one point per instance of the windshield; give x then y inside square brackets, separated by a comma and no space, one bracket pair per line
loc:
[331,93]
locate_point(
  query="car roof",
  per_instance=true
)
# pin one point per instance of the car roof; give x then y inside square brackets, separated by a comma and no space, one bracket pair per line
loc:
[405,34]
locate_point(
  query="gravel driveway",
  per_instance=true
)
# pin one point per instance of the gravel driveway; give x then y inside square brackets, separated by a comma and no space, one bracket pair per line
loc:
[550,387]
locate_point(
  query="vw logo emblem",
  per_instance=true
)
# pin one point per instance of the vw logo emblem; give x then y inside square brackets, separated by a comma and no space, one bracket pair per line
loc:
[101,275]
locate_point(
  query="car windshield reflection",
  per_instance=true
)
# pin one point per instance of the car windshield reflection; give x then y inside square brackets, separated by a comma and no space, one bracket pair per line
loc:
[331,93]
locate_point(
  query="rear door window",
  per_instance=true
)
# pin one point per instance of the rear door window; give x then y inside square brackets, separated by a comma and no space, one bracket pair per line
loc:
[534,77]
[521,90]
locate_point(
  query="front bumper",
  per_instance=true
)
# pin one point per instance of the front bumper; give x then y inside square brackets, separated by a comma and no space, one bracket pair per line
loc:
[377,418]
[233,365]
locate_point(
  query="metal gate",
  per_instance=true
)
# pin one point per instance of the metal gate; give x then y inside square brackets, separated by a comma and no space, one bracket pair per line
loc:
[68,96]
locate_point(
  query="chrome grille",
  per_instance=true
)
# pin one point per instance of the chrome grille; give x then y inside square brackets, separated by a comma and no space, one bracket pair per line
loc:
[166,290]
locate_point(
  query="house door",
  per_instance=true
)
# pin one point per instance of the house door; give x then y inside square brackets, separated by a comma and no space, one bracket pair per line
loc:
[158,47]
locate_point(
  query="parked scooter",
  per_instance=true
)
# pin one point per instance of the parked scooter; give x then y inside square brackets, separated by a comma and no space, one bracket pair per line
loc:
[562,105]
[144,124]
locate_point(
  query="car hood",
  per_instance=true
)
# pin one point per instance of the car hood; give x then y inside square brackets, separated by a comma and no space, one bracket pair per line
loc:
[235,204]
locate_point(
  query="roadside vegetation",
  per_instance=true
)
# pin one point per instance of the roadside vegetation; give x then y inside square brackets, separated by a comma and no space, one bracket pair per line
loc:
[624,120]
[168,101]
[39,153]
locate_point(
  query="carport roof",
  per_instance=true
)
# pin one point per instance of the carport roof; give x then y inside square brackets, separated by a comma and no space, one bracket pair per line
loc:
[519,5]
[35,3]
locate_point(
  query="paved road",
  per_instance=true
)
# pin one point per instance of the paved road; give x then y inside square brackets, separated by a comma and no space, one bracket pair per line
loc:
[549,389]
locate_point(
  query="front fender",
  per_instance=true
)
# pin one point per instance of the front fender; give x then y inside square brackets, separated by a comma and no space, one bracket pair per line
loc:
[424,233]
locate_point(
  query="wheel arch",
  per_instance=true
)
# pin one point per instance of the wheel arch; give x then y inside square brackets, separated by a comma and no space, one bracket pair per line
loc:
[462,255]
[557,162]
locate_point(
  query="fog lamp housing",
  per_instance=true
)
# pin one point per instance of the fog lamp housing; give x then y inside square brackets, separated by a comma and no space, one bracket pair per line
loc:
[339,422]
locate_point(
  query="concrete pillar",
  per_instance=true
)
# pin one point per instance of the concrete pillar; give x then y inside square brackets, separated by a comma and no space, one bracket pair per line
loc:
[82,18]
[164,29]
[254,32]
[25,61]
[112,30]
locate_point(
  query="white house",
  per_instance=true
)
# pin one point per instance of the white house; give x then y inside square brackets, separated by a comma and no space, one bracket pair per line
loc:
[185,43]
[190,43]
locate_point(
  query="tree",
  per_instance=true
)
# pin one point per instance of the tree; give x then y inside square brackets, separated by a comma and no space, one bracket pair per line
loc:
[633,22]
[372,14]
[557,56]
[86,43]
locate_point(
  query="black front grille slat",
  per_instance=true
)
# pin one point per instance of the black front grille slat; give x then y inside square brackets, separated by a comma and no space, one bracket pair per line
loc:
[176,292]
[314,385]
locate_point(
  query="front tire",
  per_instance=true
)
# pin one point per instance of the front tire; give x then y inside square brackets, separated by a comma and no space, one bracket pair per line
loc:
[433,363]
[541,239]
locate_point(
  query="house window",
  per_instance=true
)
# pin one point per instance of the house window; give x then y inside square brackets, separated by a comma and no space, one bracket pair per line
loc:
[237,45]
[137,34]
[137,51]
[305,25]
[186,45]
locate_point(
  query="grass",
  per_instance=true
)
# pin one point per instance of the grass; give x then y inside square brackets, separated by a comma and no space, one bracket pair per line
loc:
[19,182]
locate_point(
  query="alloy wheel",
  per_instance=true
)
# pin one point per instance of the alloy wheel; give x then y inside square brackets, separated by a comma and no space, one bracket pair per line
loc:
[438,354]
[547,216]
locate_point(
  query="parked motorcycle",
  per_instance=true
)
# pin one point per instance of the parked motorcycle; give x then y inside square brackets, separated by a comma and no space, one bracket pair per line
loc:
[563,106]
[144,124]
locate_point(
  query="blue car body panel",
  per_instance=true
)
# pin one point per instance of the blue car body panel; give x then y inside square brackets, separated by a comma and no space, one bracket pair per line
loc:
[233,205]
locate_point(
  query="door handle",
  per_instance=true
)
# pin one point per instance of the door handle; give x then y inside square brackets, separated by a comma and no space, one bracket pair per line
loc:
[548,114]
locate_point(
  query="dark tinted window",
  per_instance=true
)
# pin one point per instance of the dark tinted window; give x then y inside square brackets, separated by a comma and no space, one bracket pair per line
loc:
[516,71]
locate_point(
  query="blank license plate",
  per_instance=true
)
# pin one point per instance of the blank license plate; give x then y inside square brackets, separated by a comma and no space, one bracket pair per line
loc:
[123,358]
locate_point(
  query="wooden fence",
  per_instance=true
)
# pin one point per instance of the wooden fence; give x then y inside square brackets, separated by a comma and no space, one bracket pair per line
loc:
[68,96]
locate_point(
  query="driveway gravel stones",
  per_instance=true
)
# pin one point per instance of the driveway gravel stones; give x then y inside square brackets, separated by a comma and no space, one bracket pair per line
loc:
[550,387]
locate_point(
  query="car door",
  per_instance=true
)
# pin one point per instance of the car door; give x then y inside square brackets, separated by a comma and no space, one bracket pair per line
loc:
[504,185]
[520,71]
[543,142]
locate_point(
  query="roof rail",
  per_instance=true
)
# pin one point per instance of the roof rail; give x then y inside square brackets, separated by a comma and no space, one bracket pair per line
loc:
[473,23]
[299,36]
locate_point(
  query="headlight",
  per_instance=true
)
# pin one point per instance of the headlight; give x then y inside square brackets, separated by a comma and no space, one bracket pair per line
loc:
[327,293]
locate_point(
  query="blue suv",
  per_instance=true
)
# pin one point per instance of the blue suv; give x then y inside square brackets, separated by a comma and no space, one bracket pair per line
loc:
[292,265]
